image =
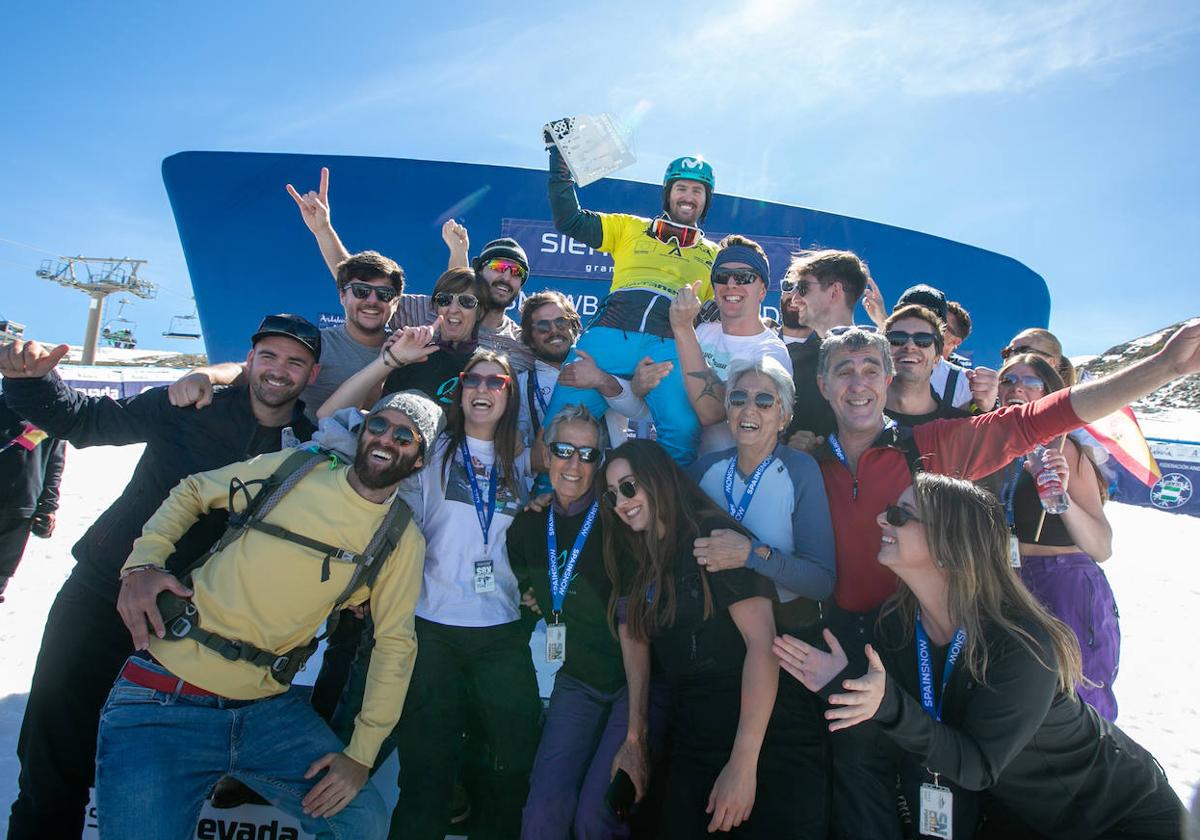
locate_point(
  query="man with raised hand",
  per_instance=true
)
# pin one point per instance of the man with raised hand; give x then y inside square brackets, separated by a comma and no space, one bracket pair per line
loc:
[84,642]
[216,652]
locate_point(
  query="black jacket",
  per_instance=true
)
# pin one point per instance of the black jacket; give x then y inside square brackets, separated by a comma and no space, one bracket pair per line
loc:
[28,480]
[179,442]
[812,411]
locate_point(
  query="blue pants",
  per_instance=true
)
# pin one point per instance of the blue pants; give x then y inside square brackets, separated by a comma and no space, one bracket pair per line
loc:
[618,352]
[571,773]
[159,754]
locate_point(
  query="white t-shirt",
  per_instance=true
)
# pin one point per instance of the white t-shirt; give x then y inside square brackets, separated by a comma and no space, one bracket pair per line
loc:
[719,350]
[938,380]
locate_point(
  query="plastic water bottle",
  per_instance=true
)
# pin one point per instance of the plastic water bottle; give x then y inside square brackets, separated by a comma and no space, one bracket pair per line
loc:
[1049,486]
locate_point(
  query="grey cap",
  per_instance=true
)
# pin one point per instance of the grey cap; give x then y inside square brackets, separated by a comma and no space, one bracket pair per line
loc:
[422,411]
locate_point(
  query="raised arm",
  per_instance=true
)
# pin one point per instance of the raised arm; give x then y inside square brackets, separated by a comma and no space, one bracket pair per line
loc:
[569,218]
[314,210]
[705,390]
[1084,519]
[459,244]
[411,345]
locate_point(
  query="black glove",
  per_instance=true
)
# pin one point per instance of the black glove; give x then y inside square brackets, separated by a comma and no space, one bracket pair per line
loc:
[42,525]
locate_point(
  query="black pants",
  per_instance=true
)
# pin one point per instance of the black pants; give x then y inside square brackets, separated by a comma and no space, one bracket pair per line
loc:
[336,664]
[14,534]
[83,648]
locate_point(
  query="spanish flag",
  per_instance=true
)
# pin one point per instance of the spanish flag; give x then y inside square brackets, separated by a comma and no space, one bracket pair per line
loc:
[1120,434]
[29,438]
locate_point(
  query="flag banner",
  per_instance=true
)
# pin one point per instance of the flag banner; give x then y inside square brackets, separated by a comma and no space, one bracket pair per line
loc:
[1122,438]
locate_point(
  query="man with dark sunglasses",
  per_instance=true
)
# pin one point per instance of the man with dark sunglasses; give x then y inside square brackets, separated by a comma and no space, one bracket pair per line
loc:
[84,642]
[916,337]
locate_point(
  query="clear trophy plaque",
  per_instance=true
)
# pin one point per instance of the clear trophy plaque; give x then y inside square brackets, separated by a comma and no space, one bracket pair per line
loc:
[592,146]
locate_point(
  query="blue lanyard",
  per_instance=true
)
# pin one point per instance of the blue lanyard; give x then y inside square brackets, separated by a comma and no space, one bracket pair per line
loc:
[1008,492]
[559,584]
[925,668]
[739,510]
[485,514]
[534,392]
[840,453]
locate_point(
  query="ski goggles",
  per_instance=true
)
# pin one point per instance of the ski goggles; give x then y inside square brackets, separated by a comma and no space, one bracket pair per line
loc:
[378,426]
[898,517]
[485,381]
[899,338]
[443,299]
[362,291]
[740,396]
[1027,381]
[547,325]
[685,236]
[507,267]
[628,488]
[738,276]
[565,451]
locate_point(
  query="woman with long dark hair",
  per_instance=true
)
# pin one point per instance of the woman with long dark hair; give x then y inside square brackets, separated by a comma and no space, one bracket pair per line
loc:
[974,687]
[710,632]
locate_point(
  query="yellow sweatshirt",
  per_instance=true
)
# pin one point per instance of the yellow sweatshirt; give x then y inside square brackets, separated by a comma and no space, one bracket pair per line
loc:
[268,591]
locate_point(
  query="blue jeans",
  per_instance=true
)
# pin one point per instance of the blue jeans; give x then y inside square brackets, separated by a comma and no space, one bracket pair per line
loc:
[618,352]
[159,754]
[584,729]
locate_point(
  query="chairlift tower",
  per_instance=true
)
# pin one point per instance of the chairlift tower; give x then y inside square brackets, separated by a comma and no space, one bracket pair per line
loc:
[98,277]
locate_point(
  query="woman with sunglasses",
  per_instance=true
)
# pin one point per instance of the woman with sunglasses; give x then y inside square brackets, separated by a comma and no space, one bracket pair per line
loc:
[778,493]
[558,552]
[709,633]
[1058,554]
[973,686]
[426,359]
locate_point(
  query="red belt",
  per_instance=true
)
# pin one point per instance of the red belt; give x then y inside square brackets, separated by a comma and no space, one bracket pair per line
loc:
[138,674]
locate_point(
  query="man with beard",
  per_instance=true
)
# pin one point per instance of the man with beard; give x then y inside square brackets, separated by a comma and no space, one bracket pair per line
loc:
[84,642]
[327,536]
[793,330]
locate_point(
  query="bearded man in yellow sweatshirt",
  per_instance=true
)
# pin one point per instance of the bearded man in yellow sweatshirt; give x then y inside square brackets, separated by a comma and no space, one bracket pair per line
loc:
[207,692]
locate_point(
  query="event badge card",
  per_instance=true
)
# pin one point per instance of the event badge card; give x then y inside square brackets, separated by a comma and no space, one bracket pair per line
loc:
[592,146]
[485,577]
[1014,551]
[936,814]
[556,643]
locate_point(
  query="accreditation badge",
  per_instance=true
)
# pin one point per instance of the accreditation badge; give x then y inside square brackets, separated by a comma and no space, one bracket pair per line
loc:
[485,577]
[936,814]
[556,643]
[1014,551]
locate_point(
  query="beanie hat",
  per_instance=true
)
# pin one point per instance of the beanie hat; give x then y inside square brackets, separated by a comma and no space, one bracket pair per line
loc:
[502,249]
[924,295]
[422,411]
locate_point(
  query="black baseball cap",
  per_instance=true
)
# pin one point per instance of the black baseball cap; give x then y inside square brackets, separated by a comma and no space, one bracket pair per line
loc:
[292,326]
[924,295]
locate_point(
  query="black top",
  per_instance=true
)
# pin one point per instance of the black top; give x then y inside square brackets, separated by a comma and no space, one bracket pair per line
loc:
[593,653]
[812,411]
[944,411]
[696,647]
[436,377]
[1047,756]
[1027,512]
[28,479]
[179,442]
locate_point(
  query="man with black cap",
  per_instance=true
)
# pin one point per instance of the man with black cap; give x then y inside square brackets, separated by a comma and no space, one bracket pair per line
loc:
[217,650]
[84,642]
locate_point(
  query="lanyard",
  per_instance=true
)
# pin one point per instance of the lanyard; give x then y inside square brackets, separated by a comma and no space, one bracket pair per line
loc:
[534,392]
[485,514]
[925,668]
[1008,491]
[840,453]
[739,510]
[559,583]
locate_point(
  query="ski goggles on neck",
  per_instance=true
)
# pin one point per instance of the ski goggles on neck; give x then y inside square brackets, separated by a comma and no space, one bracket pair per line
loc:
[899,338]
[738,276]
[738,397]
[443,299]
[362,291]
[487,381]
[628,488]
[378,426]
[507,267]
[565,451]
[685,236]
[1028,382]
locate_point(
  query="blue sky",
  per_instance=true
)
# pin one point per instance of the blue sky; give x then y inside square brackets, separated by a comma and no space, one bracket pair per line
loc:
[1064,134]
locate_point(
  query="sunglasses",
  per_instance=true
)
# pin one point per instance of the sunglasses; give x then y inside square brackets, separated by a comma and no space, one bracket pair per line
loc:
[378,426]
[443,299]
[488,381]
[740,276]
[685,236]
[628,488]
[898,517]
[801,287]
[565,451]
[362,291]
[740,396]
[842,330]
[547,326]
[1022,349]
[899,338]
[1027,381]
[507,267]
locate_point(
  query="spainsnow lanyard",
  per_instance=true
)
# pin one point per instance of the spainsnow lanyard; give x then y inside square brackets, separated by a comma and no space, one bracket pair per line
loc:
[739,510]
[1008,492]
[925,668]
[534,392]
[840,453]
[560,583]
[485,514]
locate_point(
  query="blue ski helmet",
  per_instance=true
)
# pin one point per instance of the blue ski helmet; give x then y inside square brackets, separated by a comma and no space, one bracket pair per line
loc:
[692,168]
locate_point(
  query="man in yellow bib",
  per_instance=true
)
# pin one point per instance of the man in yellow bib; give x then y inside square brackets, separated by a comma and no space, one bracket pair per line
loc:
[652,260]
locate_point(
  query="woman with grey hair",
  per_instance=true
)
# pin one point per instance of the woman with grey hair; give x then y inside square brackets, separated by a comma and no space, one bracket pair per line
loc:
[557,554]
[779,495]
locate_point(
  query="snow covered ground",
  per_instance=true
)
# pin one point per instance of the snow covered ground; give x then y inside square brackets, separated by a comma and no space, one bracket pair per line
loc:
[1154,572]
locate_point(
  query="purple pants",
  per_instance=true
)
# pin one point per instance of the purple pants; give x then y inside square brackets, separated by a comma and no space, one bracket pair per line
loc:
[1074,589]
[571,773]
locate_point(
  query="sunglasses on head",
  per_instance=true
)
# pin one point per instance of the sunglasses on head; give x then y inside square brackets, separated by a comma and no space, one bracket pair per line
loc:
[739,276]
[378,426]
[564,452]
[547,325]
[898,517]
[443,299]
[488,381]
[899,338]
[1021,349]
[842,330]
[1027,381]
[628,488]
[685,236]
[507,267]
[740,396]
[362,291]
